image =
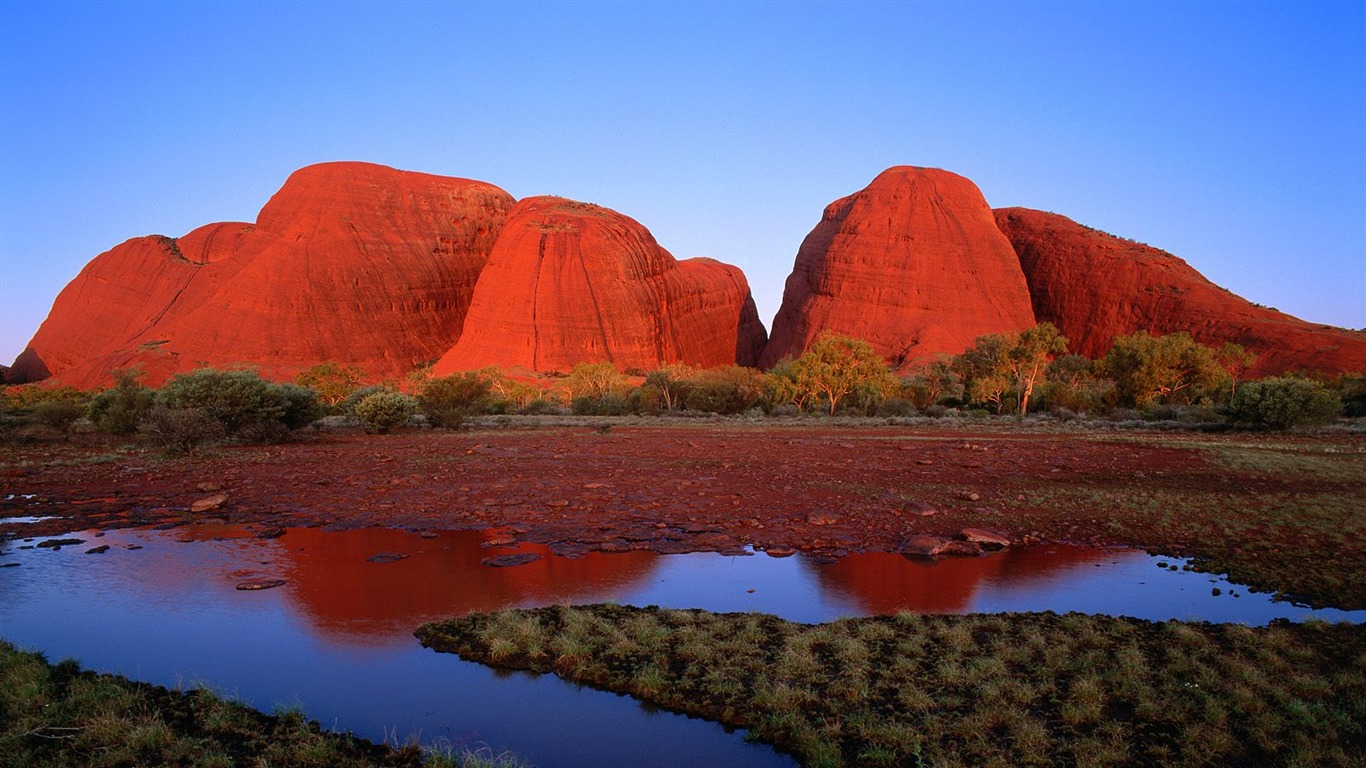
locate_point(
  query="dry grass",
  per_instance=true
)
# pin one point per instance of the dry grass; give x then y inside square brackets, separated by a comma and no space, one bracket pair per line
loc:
[1022,689]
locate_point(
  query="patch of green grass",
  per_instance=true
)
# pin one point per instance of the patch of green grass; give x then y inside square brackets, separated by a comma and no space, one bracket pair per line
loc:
[60,715]
[1017,689]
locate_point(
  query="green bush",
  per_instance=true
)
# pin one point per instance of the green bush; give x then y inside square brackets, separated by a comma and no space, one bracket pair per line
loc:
[449,400]
[729,389]
[119,409]
[302,406]
[348,406]
[180,430]
[58,415]
[239,400]
[1284,402]
[382,411]
[601,405]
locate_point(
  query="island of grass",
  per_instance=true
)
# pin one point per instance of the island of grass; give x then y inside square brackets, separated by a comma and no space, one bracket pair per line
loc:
[1006,690]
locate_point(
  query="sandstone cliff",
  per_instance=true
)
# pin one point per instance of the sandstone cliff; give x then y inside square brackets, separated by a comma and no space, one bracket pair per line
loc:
[1096,286]
[351,262]
[914,264]
[571,282]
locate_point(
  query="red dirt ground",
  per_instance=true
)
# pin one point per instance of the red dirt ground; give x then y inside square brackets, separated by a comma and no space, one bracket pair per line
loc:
[679,486]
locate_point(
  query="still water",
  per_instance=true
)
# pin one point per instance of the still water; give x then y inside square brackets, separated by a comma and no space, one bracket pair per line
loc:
[336,638]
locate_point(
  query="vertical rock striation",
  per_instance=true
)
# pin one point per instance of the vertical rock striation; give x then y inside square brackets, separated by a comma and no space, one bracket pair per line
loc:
[570,282]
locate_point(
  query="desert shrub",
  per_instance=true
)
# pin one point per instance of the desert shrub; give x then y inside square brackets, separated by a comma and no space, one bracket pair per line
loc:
[449,400]
[180,430]
[936,411]
[541,407]
[896,406]
[601,405]
[729,389]
[382,411]
[58,415]
[302,406]
[119,409]
[237,399]
[348,406]
[1285,402]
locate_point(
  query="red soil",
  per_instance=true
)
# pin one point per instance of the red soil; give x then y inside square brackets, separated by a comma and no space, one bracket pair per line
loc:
[669,488]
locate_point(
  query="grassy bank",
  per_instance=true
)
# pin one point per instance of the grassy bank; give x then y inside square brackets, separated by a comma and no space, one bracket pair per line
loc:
[60,715]
[1019,689]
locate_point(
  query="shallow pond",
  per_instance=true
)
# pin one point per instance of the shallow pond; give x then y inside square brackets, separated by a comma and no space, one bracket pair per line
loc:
[336,638]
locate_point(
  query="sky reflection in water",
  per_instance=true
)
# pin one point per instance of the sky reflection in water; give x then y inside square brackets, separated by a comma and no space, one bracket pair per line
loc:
[337,638]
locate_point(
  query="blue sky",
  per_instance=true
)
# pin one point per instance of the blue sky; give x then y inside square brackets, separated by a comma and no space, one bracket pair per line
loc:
[1231,134]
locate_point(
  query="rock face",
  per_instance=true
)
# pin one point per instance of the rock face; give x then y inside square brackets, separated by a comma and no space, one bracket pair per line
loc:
[1094,287]
[914,264]
[350,262]
[570,282]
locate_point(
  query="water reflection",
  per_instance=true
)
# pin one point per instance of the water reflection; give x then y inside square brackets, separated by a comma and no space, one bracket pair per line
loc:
[883,583]
[336,638]
[349,597]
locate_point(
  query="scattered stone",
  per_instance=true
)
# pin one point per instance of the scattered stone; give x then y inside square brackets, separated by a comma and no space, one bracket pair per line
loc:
[209,502]
[970,496]
[385,557]
[210,487]
[428,535]
[509,561]
[253,586]
[822,519]
[98,550]
[924,546]
[56,544]
[988,538]
[780,551]
[499,540]
[9,565]
[925,462]
[270,533]
[921,509]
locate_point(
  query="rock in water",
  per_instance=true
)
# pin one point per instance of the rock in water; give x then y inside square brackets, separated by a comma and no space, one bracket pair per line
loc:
[913,264]
[1094,286]
[571,282]
[349,262]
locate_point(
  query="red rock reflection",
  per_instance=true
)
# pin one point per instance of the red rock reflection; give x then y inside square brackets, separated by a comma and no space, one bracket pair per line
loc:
[348,598]
[884,583]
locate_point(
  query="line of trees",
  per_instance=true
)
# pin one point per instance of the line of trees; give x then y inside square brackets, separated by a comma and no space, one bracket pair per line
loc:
[1006,373]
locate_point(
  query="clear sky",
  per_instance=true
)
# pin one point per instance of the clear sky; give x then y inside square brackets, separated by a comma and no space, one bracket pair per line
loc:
[1232,134]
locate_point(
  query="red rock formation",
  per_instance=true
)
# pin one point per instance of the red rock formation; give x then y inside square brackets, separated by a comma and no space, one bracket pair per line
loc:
[1094,287]
[913,264]
[571,282]
[350,262]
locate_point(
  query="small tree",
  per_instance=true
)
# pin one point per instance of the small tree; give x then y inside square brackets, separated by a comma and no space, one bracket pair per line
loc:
[1148,370]
[670,383]
[837,368]
[986,370]
[1029,357]
[332,381]
[59,415]
[1235,361]
[596,380]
